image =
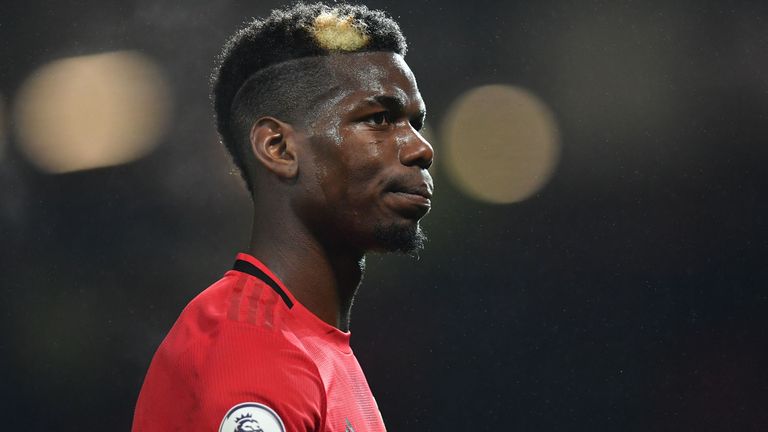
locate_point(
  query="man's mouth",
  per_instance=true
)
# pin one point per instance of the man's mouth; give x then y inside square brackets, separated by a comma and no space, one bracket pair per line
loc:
[411,201]
[418,198]
[422,191]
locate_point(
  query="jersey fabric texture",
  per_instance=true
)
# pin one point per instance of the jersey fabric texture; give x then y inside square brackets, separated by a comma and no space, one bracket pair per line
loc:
[244,348]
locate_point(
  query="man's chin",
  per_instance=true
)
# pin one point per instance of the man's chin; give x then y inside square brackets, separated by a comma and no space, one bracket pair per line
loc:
[403,238]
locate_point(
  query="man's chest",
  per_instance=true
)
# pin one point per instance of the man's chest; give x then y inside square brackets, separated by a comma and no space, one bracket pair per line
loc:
[351,406]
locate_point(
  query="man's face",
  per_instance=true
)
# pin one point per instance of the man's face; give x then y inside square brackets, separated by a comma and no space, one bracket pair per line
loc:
[364,164]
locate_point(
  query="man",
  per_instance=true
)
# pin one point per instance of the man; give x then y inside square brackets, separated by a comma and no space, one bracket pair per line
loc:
[322,116]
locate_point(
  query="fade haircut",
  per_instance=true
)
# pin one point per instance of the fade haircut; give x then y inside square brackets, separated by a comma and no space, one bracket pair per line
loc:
[275,66]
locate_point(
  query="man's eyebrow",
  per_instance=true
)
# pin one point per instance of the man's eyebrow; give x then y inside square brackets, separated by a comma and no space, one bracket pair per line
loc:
[394,103]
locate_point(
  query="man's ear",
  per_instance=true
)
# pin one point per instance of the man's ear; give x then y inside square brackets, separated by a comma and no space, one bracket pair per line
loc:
[273,143]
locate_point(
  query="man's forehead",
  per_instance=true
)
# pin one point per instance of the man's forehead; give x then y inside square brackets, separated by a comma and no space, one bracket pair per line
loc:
[373,73]
[382,60]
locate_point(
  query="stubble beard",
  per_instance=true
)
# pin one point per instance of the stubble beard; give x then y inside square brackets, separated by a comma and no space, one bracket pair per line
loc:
[407,239]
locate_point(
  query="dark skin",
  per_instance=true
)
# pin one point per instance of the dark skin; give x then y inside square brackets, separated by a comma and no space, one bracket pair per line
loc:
[324,193]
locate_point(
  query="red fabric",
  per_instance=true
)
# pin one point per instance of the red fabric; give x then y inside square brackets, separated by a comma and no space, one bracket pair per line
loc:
[238,342]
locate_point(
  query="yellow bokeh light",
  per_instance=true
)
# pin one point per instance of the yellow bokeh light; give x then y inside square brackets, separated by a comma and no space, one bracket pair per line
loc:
[92,111]
[501,143]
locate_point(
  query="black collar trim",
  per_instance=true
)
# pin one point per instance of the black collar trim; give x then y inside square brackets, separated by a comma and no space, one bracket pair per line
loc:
[248,268]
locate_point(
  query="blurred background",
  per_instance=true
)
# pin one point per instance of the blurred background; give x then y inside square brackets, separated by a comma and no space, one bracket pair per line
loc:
[597,254]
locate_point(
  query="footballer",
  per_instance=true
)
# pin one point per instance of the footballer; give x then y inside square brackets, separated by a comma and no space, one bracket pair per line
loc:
[322,116]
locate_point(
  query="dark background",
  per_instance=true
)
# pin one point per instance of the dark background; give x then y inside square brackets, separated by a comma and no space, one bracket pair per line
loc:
[628,294]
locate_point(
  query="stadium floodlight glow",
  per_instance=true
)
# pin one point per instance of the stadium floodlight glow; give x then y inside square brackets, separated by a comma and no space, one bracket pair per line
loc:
[501,143]
[92,111]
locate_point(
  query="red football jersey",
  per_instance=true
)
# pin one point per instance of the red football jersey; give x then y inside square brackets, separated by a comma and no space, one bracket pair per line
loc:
[246,356]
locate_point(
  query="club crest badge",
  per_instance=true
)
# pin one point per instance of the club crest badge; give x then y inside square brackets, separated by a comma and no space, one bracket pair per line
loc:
[251,417]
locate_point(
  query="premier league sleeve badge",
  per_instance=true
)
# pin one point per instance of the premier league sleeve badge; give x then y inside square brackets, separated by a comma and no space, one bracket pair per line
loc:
[251,417]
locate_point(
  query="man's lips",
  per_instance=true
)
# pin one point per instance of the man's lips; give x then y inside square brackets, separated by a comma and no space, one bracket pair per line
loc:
[416,198]
[422,191]
[411,201]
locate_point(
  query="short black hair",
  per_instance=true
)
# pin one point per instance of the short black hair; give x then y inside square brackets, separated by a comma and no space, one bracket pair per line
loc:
[271,66]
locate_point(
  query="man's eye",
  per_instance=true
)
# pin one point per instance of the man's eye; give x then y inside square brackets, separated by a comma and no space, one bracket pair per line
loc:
[380,118]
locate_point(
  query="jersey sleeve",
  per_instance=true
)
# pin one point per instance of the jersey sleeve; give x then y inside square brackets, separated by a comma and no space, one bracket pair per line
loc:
[251,376]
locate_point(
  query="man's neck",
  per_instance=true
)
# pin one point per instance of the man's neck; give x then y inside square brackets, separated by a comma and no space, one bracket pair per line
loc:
[322,279]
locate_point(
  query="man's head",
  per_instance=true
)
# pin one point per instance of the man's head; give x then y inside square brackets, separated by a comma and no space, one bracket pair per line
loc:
[319,110]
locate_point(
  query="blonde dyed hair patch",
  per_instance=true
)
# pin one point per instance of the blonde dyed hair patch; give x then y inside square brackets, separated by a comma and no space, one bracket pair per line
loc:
[336,33]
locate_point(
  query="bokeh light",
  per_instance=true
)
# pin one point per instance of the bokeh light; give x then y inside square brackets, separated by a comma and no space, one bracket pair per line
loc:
[501,143]
[92,111]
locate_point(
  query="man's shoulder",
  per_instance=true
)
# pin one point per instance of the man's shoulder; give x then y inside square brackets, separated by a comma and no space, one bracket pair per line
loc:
[238,309]
[215,360]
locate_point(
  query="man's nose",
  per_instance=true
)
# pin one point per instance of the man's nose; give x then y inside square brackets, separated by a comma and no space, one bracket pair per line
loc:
[417,150]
